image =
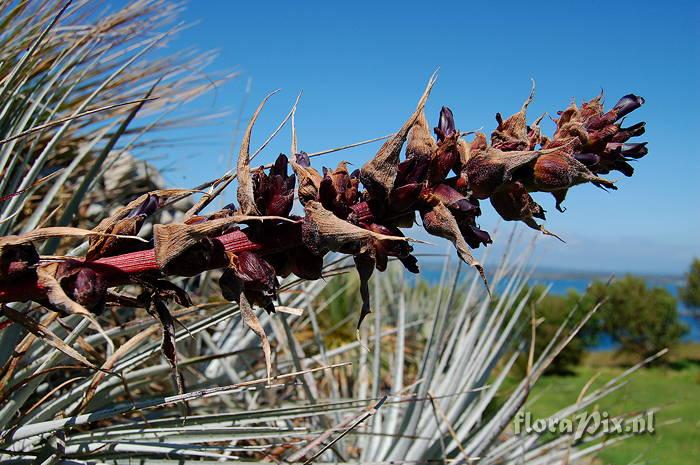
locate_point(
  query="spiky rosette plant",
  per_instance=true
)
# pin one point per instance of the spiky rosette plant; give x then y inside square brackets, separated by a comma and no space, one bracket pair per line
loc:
[358,214]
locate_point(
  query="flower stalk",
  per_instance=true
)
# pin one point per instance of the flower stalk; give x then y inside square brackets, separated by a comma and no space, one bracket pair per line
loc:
[361,213]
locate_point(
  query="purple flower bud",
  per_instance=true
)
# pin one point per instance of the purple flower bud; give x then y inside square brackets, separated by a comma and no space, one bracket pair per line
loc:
[627,105]
[147,207]
[624,134]
[453,199]
[274,192]
[636,129]
[446,125]
[588,159]
[637,150]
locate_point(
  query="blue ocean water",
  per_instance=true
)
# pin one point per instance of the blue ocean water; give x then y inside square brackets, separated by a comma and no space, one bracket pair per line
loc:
[561,282]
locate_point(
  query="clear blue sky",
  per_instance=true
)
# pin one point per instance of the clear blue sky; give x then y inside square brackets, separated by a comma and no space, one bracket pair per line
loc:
[362,66]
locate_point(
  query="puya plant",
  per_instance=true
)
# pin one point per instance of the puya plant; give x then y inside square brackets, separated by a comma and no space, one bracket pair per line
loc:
[448,400]
[358,214]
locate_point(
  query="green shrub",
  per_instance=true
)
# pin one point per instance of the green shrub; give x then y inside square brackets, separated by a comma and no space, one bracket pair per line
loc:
[690,293]
[642,320]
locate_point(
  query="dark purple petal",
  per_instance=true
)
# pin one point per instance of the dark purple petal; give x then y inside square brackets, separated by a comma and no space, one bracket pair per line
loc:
[588,159]
[405,197]
[412,170]
[446,125]
[627,133]
[637,150]
[280,166]
[627,105]
[147,207]
[453,199]
[476,237]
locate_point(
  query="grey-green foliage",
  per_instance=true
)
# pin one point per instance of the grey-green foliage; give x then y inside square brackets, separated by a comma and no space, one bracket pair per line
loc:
[72,75]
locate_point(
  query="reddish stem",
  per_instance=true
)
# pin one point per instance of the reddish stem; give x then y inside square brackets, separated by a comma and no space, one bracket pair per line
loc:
[117,269]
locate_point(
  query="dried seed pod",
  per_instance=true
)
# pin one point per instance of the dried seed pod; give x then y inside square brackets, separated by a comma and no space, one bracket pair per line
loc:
[514,203]
[490,168]
[187,248]
[322,231]
[174,241]
[378,174]
[512,133]
[127,221]
[534,135]
[309,178]
[421,144]
[438,221]
[558,170]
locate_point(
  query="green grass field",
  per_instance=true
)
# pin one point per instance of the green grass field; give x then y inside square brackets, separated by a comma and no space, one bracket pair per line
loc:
[675,390]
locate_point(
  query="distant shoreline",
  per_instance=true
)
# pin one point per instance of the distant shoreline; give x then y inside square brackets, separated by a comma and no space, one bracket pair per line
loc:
[557,274]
